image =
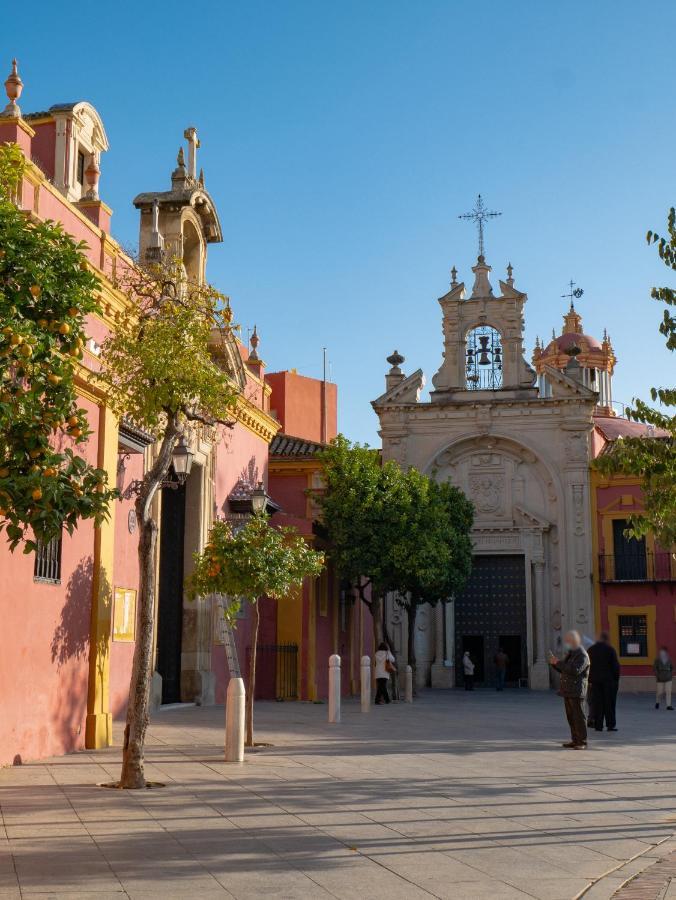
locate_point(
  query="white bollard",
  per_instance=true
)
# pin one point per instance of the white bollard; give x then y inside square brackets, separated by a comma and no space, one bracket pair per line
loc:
[234,721]
[408,687]
[334,688]
[365,684]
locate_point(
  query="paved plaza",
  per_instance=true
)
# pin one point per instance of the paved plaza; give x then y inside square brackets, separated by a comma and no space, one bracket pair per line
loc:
[462,795]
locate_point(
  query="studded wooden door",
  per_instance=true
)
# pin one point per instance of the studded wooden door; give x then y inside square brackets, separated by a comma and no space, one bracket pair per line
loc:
[492,607]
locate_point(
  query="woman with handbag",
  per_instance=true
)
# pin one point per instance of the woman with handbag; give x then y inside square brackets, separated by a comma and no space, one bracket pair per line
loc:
[384,668]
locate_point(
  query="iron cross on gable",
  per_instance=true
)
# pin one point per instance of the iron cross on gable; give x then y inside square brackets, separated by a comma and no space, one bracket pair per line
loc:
[480,215]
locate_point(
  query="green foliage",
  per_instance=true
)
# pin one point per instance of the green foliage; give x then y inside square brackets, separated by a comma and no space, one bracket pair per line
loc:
[399,530]
[46,291]
[161,361]
[653,459]
[432,558]
[255,561]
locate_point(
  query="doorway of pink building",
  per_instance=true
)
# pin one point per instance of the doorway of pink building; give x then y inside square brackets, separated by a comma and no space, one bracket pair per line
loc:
[170,604]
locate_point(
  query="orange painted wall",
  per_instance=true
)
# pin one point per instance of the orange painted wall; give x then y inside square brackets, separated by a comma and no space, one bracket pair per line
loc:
[297,402]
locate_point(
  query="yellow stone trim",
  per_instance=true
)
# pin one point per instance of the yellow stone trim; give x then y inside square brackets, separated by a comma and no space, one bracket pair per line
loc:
[99,723]
[650,612]
[19,122]
[94,204]
[257,421]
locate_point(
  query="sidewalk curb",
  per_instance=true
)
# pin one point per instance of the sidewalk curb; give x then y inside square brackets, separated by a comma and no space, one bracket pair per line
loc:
[603,887]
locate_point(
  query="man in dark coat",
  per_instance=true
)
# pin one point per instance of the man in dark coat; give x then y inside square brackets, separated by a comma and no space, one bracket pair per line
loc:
[574,669]
[604,680]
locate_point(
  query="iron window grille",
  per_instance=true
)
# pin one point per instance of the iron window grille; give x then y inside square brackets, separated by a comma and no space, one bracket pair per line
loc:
[47,566]
[633,635]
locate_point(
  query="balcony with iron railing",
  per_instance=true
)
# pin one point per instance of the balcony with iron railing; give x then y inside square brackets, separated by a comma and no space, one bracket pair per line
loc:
[647,566]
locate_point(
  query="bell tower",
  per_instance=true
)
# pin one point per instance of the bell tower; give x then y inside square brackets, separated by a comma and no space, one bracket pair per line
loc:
[180,222]
[483,338]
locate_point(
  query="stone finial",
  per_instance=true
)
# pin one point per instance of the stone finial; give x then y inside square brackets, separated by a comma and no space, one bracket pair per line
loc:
[13,88]
[92,173]
[454,277]
[254,340]
[553,334]
[395,360]
[180,158]
[510,274]
[482,285]
[201,178]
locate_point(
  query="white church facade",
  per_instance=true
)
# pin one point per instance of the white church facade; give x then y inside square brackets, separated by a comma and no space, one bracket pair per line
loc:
[520,451]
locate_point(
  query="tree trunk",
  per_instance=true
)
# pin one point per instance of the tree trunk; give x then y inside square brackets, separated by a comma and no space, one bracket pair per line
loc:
[252,677]
[132,775]
[377,616]
[411,614]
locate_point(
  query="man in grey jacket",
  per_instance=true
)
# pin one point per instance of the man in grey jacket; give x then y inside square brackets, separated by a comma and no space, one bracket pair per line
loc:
[574,669]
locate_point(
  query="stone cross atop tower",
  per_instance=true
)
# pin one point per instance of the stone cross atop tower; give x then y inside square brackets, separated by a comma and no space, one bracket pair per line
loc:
[190,134]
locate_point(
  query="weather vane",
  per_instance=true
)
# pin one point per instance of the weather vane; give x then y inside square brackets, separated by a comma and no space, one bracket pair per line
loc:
[574,293]
[480,215]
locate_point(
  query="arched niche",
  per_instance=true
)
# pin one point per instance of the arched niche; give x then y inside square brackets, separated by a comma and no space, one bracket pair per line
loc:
[504,478]
[193,251]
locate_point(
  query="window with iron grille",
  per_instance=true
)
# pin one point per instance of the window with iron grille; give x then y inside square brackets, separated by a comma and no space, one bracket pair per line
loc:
[633,635]
[48,561]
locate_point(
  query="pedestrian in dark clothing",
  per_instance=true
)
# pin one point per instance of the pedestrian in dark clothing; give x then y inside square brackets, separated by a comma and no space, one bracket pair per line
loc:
[501,661]
[574,669]
[604,680]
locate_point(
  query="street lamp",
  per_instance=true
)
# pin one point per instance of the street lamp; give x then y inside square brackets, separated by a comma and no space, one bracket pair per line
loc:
[259,499]
[181,459]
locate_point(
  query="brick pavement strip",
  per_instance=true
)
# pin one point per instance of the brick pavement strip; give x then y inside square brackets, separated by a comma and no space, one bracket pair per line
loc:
[653,883]
[458,796]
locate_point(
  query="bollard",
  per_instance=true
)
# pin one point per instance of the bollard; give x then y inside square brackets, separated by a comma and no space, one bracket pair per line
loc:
[234,721]
[334,688]
[365,684]
[408,688]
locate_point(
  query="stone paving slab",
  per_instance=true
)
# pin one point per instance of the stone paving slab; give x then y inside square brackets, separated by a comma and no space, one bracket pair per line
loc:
[458,796]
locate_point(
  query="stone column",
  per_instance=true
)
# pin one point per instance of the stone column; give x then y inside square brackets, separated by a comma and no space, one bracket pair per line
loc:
[539,675]
[441,675]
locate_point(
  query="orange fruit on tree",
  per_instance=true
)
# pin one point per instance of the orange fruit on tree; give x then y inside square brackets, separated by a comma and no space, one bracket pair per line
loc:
[4,472]
[26,350]
[64,328]
[35,290]
[72,312]
[75,432]
[43,323]
[36,494]
[15,340]
[54,379]
[73,421]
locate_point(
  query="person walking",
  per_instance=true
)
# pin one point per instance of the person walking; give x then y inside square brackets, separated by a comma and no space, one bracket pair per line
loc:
[468,671]
[604,680]
[501,661]
[384,667]
[664,673]
[574,670]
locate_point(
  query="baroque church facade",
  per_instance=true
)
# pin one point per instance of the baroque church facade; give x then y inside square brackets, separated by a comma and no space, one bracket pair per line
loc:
[517,443]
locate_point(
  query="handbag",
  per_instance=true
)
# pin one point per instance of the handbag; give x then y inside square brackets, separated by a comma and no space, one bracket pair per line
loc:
[389,667]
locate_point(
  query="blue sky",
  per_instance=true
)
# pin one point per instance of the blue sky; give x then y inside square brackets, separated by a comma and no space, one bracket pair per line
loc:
[341,140]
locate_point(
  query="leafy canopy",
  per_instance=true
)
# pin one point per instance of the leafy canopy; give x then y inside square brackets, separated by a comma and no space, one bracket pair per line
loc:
[255,561]
[46,293]
[162,361]
[653,458]
[432,558]
[398,530]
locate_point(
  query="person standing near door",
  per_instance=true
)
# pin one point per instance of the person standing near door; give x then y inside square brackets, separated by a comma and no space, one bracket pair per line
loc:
[574,669]
[384,667]
[468,671]
[604,680]
[501,661]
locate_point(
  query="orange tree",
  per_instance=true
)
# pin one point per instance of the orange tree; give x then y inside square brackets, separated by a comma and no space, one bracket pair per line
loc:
[255,561]
[161,371]
[46,292]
